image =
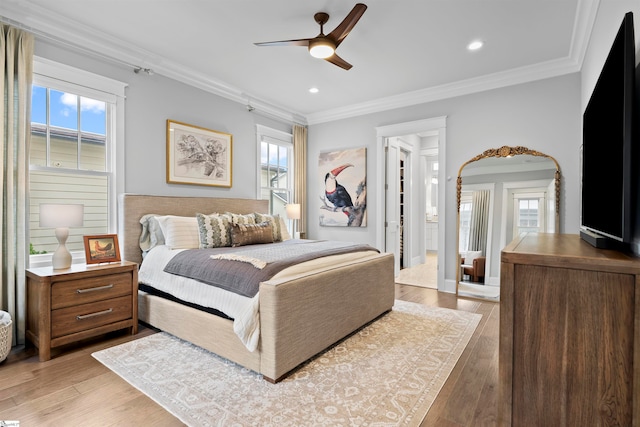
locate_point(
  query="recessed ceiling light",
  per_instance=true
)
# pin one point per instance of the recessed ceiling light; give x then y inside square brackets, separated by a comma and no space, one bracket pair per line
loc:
[475,45]
[314,90]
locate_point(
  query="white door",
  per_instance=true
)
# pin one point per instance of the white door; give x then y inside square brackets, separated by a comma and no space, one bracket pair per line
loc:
[392,197]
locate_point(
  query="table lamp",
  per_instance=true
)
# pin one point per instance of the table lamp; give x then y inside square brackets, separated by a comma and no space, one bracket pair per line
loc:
[293,212]
[61,217]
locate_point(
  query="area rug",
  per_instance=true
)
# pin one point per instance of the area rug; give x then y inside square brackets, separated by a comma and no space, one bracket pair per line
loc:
[386,374]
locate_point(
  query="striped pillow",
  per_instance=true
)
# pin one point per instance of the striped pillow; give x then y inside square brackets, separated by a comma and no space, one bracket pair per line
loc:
[180,232]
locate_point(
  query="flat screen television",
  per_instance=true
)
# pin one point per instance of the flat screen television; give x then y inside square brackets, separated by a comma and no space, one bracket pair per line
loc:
[610,169]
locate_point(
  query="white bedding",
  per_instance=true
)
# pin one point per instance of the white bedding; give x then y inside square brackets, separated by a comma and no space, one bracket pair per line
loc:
[243,310]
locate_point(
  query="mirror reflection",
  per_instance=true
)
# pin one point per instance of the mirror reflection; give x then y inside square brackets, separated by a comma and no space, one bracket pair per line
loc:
[501,193]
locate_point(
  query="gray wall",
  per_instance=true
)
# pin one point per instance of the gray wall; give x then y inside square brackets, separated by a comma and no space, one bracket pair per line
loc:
[542,115]
[151,100]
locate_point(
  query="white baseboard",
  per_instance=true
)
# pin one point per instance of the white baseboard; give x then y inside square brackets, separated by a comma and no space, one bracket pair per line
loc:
[492,281]
[449,286]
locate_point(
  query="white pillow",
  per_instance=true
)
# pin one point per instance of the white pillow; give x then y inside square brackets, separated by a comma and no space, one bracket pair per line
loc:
[180,232]
[283,230]
[151,235]
[471,255]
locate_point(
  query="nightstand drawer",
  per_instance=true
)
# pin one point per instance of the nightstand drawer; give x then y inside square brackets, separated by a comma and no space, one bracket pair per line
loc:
[82,291]
[69,305]
[69,320]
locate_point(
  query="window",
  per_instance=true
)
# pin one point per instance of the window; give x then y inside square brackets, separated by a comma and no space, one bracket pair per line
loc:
[466,206]
[75,130]
[529,214]
[275,169]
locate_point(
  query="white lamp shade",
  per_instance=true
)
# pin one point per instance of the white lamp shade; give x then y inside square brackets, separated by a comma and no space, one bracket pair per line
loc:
[61,216]
[293,211]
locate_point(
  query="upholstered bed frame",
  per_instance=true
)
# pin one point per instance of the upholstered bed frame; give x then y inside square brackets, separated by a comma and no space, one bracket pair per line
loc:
[299,316]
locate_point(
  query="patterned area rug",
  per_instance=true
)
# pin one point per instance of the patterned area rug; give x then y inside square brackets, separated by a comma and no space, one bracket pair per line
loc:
[387,374]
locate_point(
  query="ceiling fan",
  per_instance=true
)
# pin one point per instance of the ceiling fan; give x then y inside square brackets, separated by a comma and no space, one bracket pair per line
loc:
[324,46]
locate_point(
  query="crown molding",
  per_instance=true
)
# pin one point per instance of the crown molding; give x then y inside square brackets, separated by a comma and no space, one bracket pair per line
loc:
[465,87]
[586,12]
[51,26]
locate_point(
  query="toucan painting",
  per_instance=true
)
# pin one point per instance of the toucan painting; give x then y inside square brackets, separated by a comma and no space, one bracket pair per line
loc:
[336,193]
[344,188]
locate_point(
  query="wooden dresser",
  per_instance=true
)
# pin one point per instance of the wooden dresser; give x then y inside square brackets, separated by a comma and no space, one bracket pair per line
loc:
[569,319]
[64,306]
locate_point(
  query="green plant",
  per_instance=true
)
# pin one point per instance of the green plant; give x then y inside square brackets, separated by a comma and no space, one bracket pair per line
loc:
[32,251]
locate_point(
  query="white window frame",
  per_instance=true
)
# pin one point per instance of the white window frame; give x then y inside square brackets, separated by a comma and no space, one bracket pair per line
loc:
[465,200]
[63,77]
[267,134]
[541,197]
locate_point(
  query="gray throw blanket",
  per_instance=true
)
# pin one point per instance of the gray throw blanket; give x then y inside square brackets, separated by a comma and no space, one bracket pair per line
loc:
[242,277]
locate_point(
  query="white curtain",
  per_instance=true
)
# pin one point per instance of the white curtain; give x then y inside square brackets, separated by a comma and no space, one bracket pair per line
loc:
[300,178]
[479,226]
[16,58]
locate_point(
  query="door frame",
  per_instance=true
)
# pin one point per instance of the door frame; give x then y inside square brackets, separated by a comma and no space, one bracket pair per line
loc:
[436,124]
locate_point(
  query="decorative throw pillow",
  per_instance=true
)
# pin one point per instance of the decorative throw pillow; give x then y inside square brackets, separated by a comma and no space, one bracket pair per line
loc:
[214,230]
[274,220]
[251,234]
[241,219]
[180,232]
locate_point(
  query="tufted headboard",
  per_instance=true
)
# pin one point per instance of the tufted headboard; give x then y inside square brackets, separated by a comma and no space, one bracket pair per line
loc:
[132,207]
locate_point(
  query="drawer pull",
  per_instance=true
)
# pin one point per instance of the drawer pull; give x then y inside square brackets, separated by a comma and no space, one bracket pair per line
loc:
[97,313]
[97,288]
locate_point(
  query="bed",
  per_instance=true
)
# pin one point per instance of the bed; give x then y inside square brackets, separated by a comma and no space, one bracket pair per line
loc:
[300,314]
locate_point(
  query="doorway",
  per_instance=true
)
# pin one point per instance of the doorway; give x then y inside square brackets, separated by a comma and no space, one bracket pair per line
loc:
[399,207]
[411,198]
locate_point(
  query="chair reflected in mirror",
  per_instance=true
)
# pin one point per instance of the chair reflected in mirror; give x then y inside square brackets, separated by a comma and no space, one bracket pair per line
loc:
[472,265]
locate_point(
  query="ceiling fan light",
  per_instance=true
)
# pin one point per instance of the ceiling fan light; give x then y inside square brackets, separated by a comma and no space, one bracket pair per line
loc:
[322,48]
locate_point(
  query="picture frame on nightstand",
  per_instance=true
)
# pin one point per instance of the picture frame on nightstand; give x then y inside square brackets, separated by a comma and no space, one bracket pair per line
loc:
[101,248]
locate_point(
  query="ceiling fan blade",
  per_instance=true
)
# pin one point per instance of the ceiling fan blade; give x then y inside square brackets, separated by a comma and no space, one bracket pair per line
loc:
[347,24]
[300,42]
[336,60]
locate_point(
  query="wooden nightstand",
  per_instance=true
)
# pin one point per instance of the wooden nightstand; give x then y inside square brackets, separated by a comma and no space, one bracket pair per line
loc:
[64,306]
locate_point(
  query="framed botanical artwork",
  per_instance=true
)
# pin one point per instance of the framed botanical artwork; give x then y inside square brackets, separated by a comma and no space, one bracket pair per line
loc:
[101,248]
[198,156]
[343,188]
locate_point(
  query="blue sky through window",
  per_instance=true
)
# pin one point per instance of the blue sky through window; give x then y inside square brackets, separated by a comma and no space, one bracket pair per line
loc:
[64,111]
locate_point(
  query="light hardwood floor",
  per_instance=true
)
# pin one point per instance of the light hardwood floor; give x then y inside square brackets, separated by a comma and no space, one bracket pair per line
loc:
[423,275]
[73,389]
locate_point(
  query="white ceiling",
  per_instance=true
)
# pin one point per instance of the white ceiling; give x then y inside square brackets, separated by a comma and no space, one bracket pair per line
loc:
[403,52]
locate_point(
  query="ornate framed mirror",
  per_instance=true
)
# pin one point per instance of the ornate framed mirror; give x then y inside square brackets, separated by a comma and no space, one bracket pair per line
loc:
[501,193]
